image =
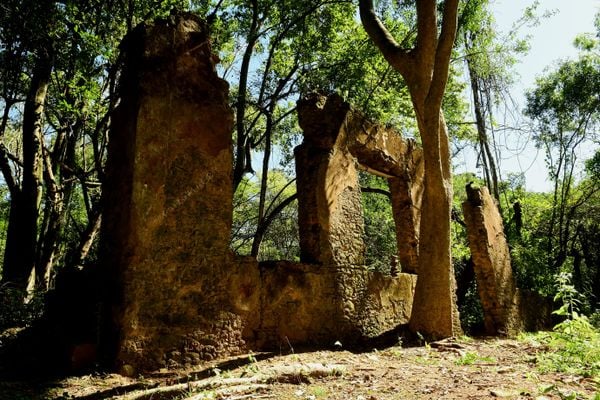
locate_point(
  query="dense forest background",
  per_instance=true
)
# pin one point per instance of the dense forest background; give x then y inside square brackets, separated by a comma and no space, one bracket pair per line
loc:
[60,64]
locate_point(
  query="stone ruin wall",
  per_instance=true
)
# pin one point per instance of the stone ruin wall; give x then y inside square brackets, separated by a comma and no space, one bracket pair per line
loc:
[506,309]
[174,294]
[167,212]
[331,295]
[357,303]
[308,305]
[491,261]
[339,141]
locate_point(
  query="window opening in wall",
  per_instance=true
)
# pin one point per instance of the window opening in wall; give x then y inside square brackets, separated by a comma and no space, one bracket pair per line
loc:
[277,231]
[281,239]
[380,229]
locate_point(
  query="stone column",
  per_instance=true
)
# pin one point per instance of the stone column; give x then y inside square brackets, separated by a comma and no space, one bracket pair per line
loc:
[168,203]
[330,214]
[491,261]
[406,202]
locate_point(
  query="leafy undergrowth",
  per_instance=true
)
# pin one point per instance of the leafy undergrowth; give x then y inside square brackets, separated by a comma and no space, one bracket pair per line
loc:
[573,348]
[451,369]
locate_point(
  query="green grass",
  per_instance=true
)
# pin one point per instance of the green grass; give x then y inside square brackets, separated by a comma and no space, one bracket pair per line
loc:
[319,392]
[470,358]
[573,347]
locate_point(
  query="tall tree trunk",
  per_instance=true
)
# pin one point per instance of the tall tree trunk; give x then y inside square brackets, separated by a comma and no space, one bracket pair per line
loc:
[87,238]
[58,197]
[48,239]
[425,69]
[589,239]
[243,143]
[264,182]
[434,312]
[5,115]
[487,156]
[488,159]
[19,256]
[14,271]
[556,170]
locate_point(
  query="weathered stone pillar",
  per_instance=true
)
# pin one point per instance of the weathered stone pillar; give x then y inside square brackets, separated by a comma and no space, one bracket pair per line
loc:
[491,261]
[168,203]
[330,215]
[407,194]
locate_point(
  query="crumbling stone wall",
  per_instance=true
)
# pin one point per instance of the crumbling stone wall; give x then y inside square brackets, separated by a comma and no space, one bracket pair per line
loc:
[168,204]
[309,305]
[173,293]
[331,295]
[506,309]
[491,261]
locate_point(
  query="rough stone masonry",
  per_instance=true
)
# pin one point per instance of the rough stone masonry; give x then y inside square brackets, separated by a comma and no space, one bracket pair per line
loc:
[506,309]
[174,294]
[168,203]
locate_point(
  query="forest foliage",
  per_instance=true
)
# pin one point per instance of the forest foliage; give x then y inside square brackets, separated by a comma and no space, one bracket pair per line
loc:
[59,73]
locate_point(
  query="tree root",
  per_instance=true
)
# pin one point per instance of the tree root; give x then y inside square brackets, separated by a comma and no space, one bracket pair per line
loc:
[238,388]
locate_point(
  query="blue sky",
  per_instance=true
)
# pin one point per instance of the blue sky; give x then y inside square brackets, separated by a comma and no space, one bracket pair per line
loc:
[552,40]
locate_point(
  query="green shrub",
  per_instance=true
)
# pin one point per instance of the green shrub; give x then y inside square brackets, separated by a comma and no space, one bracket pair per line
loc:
[574,344]
[595,319]
[574,348]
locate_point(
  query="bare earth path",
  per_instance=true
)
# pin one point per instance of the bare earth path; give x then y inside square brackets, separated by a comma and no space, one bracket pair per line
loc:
[463,369]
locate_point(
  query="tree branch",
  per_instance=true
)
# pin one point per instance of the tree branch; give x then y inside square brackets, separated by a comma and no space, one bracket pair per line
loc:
[269,218]
[426,30]
[242,150]
[7,171]
[376,190]
[266,222]
[279,194]
[382,38]
[443,53]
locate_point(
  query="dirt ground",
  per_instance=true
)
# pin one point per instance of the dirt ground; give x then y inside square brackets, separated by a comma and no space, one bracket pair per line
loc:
[450,369]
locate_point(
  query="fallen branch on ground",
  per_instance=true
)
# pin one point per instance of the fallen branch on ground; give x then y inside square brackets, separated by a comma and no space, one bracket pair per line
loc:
[294,374]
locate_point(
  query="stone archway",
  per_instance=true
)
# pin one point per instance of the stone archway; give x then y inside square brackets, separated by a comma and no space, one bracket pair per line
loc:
[339,140]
